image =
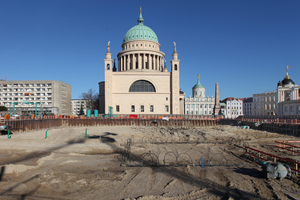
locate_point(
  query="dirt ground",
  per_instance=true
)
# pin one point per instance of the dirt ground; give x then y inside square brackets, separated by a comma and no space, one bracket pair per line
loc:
[140,163]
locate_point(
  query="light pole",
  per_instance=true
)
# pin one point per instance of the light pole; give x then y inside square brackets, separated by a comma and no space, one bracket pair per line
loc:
[14,103]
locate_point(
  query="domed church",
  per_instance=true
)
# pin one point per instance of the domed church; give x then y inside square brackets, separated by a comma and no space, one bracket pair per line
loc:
[140,83]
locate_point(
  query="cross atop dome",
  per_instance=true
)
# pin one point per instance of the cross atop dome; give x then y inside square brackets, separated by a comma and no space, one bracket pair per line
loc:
[140,19]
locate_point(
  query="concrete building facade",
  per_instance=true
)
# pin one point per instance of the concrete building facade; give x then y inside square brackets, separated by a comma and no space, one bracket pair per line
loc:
[52,96]
[141,82]
[77,105]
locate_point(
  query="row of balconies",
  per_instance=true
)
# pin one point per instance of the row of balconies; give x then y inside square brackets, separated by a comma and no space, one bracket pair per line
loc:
[31,104]
[27,85]
[26,89]
[24,98]
[26,94]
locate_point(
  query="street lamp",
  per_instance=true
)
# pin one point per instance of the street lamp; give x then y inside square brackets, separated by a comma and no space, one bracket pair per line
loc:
[14,103]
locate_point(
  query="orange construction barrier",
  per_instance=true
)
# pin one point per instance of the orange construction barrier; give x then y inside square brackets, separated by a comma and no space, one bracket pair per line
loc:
[6,116]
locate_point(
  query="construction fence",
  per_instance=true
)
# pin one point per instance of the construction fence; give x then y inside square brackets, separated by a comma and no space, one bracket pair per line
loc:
[33,124]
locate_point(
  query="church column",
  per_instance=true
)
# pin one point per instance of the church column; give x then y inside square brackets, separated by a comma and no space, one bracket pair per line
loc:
[122,67]
[157,63]
[150,61]
[129,61]
[160,59]
[143,65]
[139,61]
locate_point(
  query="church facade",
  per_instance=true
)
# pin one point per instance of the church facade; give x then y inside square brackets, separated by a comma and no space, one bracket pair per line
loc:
[140,83]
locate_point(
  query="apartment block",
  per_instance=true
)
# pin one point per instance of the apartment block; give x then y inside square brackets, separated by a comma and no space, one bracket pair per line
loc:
[77,105]
[28,96]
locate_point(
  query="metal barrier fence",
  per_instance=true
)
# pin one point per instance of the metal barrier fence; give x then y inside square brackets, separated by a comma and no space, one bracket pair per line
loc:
[173,158]
[27,125]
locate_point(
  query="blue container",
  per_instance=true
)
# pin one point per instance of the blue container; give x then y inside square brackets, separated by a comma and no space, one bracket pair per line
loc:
[95,113]
[88,113]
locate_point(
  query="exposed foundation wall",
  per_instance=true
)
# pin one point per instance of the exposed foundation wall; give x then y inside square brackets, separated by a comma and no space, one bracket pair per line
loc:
[28,125]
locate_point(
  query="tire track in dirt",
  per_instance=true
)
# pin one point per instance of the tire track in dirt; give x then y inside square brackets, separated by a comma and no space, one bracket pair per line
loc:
[272,189]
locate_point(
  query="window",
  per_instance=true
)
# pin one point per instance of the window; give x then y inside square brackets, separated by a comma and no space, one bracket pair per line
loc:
[117,108]
[142,86]
[132,108]
[285,108]
[142,108]
[167,108]
[151,108]
[291,108]
[167,99]
[298,109]
[175,67]
[108,66]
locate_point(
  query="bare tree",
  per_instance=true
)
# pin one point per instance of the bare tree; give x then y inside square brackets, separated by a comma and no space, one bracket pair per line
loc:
[93,99]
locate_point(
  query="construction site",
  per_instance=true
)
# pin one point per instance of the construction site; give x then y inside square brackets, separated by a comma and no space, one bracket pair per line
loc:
[147,159]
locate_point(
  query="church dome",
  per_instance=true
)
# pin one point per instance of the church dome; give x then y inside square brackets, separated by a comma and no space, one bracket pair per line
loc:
[140,32]
[198,85]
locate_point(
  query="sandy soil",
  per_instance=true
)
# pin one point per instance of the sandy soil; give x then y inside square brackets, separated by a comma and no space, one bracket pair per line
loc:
[140,163]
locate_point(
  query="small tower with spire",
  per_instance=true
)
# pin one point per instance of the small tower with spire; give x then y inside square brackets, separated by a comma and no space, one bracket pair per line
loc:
[175,89]
[108,64]
[287,89]
[198,89]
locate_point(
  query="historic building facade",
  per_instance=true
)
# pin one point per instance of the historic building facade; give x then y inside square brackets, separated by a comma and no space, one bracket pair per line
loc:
[199,104]
[264,103]
[141,82]
[288,96]
[247,106]
[234,107]
[283,101]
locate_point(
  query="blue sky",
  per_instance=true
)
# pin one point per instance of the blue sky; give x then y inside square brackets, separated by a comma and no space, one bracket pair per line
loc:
[243,45]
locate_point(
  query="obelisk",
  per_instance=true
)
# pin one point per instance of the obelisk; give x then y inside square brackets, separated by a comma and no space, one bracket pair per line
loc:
[217,100]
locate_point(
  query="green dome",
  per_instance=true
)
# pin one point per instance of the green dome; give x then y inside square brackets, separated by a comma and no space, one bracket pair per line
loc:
[140,32]
[198,85]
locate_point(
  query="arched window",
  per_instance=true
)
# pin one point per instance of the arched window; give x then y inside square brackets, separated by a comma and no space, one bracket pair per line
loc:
[175,67]
[142,86]
[108,66]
